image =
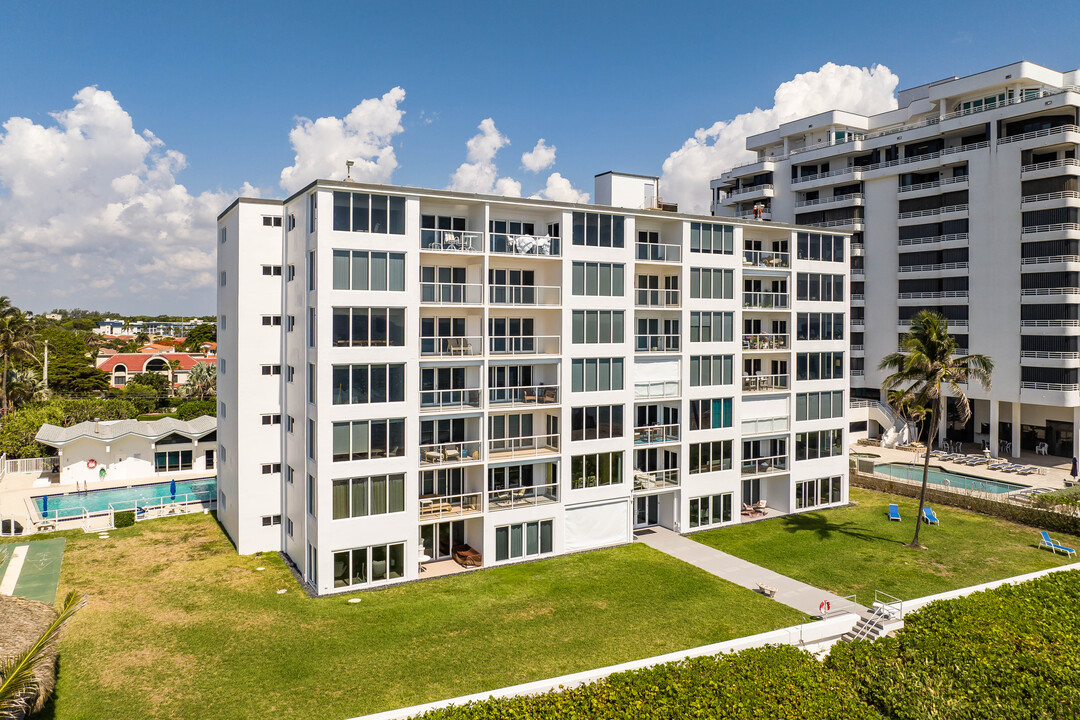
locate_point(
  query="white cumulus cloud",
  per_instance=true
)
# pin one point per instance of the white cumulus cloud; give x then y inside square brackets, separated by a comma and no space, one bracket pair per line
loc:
[715,149]
[559,188]
[479,174]
[364,136]
[539,158]
[91,215]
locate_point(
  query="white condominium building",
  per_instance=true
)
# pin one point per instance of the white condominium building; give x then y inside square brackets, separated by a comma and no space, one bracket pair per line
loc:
[406,375]
[963,200]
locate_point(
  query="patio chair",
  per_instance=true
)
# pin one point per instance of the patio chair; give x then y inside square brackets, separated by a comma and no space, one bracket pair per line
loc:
[1027,470]
[928,515]
[894,512]
[1012,468]
[998,465]
[465,556]
[1053,546]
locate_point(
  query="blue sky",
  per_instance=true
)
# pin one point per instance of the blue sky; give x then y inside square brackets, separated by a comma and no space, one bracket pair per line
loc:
[611,85]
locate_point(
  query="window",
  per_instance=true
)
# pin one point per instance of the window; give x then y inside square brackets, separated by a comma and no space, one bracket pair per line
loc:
[364,565]
[819,405]
[712,283]
[597,374]
[815,286]
[376,495]
[715,239]
[313,211]
[271,320]
[221,365]
[172,460]
[710,414]
[224,325]
[291,422]
[271,468]
[311,495]
[222,278]
[364,270]
[311,439]
[271,221]
[369,439]
[819,326]
[710,510]
[710,456]
[221,409]
[273,270]
[596,422]
[362,384]
[812,246]
[712,326]
[290,372]
[271,419]
[289,526]
[363,212]
[598,229]
[823,491]
[369,327]
[271,369]
[222,234]
[819,444]
[597,326]
[596,470]
[311,271]
[440,231]
[292,221]
[291,323]
[311,383]
[311,327]
[269,520]
[291,273]
[523,540]
[598,279]
[711,370]
[819,366]
[290,474]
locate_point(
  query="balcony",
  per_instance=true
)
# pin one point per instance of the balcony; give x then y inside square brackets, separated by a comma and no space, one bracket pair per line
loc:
[524,345]
[645,298]
[1065,162]
[524,396]
[656,343]
[528,295]
[748,190]
[656,390]
[1053,227]
[765,300]
[1039,292]
[1047,132]
[932,211]
[766,341]
[523,497]
[450,453]
[750,215]
[436,400]
[451,346]
[931,268]
[457,241]
[915,187]
[764,465]
[765,383]
[766,259]
[451,294]
[656,480]
[656,434]
[657,252]
[930,239]
[531,245]
[1042,197]
[831,199]
[522,447]
[438,507]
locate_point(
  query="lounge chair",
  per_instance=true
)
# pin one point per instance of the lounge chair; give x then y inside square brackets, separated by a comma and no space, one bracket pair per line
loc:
[1027,470]
[999,465]
[1054,547]
[465,556]
[894,512]
[1012,468]
[929,516]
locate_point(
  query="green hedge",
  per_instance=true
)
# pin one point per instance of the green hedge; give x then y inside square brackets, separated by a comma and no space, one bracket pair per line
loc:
[1066,499]
[124,518]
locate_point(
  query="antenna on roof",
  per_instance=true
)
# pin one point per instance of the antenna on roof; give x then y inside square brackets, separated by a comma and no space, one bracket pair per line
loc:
[348,170]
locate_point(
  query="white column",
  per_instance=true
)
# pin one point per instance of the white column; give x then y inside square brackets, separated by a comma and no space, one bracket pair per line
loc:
[1016,429]
[1076,432]
[993,428]
[941,420]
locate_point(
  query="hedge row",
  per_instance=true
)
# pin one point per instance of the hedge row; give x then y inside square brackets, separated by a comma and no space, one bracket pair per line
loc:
[1023,514]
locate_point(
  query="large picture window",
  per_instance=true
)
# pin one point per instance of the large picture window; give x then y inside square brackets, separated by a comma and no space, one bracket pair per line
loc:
[596,422]
[363,384]
[823,491]
[596,374]
[172,461]
[363,212]
[369,327]
[598,229]
[596,470]
[711,370]
[369,564]
[364,270]
[712,326]
[819,405]
[712,283]
[814,246]
[819,444]
[710,414]
[597,326]
[598,279]
[710,510]
[369,439]
[523,540]
[363,496]
[710,457]
[819,366]
[715,239]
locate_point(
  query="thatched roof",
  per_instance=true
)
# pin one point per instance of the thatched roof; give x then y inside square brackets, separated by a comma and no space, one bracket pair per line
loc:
[24,621]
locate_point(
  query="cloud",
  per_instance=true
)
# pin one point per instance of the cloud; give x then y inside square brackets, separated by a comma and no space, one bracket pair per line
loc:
[539,158]
[559,188]
[713,150]
[479,174]
[322,146]
[91,215]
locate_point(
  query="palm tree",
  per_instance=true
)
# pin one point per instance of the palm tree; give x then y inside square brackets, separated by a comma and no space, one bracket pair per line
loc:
[924,366]
[25,386]
[17,340]
[201,381]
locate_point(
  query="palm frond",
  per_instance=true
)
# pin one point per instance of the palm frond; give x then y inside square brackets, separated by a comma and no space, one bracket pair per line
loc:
[18,683]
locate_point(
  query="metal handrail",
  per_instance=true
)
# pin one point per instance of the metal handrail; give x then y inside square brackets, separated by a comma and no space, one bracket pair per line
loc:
[935,266]
[765,383]
[1050,323]
[1060,387]
[450,452]
[1046,132]
[1053,227]
[854,222]
[851,606]
[656,343]
[656,479]
[509,498]
[890,602]
[745,190]
[933,211]
[932,184]
[440,506]
[451,346]
[657,252]
[524,294]
[766,341]
[467,241]
[524,395]
[765,300]
[518,244]
[1050,260]
[524,344]
[1064,162]
[1050,291]
[766,259]
[653,297]
[1041,197]
[528,446]
[764,465]
[933,239]
[454,398]
[935,294]
[834,198]
[654,434]
[437,293]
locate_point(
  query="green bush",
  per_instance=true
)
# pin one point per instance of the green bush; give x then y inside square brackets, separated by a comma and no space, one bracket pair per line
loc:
[1067,498]
[125,518]
[196,408]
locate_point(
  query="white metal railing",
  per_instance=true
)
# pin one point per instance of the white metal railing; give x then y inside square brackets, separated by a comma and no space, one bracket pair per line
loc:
[1050,355]
[854,222]
[751,215]
[467,241]
[746,190]
[148,508]
[434,507]
[450,452]
[834,198]
[831,142]
[50,519]
[892,607]
[935,266]
[928,156]
[29,465]
[757,426]
[857,373]
[765,300]
[658,252]
[535,245]
[510,498]
[524,294]
[657,389]
[653,434]
[858,322]
[451,346]
[1050,260]
[1050,291]
[957,323]
[844,605]
[1064,162]
[858,248]
[1046,132]
[451,293]
[656,480]
[1053,227]
[826,174]
[858,348]
[766,259]
[858,273]
[445,399]
[935,294]
[858,297]
[933,239]
[1060,195]
[529,446]
[766,341]
[933,211]
[771,158]
[764,383]
[764,465]
[1060,387]
[1050,323]
[647,297]
[524,344]
[656,343]
[933,184]
[524,395]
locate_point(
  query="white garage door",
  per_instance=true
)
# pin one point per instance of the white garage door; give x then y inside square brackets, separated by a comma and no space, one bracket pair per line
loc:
[597,525]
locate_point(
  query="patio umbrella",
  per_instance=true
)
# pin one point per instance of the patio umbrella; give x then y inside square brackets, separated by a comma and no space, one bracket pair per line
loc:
[1075,469]
[45,505]
[172,489]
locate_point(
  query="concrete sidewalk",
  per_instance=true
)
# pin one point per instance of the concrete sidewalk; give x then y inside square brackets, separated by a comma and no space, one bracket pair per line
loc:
[792,593]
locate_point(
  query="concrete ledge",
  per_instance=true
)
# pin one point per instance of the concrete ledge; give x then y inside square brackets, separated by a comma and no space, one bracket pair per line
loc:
[911,606]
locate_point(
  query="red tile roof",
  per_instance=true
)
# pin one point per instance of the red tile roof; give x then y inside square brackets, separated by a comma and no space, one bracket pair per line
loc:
[136,362]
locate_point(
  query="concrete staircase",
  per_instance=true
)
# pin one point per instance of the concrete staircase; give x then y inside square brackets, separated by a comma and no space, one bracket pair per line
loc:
[876,622]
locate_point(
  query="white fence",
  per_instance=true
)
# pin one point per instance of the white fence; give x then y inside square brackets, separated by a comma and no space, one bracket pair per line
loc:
[28,465]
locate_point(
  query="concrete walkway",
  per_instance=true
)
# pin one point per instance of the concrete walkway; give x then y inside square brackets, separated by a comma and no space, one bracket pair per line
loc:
[792,593]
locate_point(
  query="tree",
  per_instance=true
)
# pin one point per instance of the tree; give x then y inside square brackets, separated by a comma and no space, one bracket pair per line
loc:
[72,375]
[25,386]
[207,332]
[155,381]
[196,408]
[201,382]
[925,365]
[17,341]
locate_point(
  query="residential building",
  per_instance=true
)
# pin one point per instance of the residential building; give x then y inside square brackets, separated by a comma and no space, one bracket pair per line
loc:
[520,376]
[963,200]
[174,365]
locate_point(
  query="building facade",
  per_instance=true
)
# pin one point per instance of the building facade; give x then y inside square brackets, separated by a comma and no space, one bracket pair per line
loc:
[404,372]
[964,200]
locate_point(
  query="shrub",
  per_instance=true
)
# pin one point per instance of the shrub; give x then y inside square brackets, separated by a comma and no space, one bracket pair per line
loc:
[125,518]
[195,408]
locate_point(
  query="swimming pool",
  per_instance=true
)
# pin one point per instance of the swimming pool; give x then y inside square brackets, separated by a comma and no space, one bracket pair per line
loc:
[937,476]
[98,501]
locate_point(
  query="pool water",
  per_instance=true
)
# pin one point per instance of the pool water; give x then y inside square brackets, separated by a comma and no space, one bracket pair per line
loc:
[97,501]
[937,476]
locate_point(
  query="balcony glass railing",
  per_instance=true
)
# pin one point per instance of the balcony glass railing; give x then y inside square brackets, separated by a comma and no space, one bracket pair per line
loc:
[508,448]
[536,245]
[764,465]
[451,294]
[644,297]
[765,300]
[523,496]
[654,434]
[656,343]
[446,399]
[524,295]
[766,259]
[435,507]
[450,453]
[524,345]
[531,395]
[656,480]
[765,383]
[658,252]
[466,241]
[766,341]
[451,346]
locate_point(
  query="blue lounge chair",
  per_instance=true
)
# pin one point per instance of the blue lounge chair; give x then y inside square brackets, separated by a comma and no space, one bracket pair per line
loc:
[894,512]
[1027,470]
[1054,547]
[1012,468]
[929,516]
[998,465]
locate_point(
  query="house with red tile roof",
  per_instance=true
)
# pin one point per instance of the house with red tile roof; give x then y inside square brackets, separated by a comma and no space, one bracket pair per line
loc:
[174,365]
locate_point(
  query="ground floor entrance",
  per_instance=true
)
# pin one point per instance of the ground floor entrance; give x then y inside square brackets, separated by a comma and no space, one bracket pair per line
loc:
[646,511]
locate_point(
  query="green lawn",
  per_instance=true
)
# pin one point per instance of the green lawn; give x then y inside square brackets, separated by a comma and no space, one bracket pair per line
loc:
[858,549]
[179,626]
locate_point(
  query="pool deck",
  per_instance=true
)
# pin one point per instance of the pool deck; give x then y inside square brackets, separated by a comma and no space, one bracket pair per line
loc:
[1056,468]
